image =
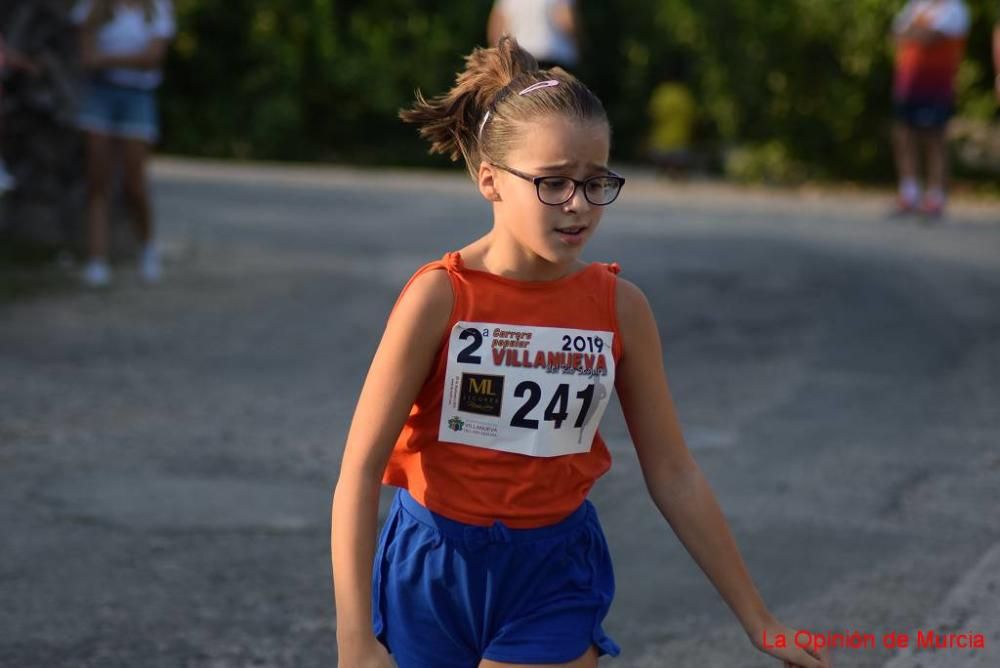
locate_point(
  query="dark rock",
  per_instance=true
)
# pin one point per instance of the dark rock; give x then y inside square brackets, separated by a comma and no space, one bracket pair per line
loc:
[39,140]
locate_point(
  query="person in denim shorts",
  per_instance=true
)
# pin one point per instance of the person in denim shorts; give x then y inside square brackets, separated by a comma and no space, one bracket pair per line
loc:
[123,46]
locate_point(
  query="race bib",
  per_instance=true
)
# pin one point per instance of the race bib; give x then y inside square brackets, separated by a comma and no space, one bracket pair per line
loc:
[538,391]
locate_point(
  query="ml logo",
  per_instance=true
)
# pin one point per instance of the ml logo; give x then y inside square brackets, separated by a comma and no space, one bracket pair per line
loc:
[481,394]
[482,386]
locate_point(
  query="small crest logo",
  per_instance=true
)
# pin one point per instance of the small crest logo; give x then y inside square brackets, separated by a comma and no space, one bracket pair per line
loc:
[456,424]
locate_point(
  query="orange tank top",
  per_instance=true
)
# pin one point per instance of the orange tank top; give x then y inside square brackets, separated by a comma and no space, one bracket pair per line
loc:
[505,426]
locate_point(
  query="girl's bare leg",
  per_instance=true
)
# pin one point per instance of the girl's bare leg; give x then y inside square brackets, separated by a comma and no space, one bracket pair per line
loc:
[904,144]
[134,182]
[98,194]
[937,161]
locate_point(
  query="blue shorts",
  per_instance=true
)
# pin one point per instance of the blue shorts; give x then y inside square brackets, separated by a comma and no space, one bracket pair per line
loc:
[923,115]
[119,111]
[447,594]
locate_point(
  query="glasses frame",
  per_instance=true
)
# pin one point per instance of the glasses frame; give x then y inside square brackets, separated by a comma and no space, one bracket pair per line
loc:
[537,180]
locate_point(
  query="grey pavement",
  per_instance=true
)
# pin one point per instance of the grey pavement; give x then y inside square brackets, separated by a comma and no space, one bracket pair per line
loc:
[167,454]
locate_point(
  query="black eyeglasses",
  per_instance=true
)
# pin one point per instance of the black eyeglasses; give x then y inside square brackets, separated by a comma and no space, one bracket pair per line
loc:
[556,190]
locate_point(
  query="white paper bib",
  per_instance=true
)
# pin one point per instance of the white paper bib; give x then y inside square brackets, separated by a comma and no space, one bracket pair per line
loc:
[538,391]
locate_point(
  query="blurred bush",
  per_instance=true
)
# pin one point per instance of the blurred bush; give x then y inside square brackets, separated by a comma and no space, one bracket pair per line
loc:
[769,162]
[308,79]
[783,90]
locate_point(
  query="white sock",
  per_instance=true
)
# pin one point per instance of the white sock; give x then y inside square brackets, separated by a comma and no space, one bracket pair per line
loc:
[909,190]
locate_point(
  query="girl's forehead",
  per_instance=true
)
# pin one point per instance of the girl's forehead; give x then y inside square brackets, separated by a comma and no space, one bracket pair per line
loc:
[557,139]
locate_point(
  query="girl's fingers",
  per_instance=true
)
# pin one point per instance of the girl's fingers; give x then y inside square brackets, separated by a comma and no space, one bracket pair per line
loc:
[811,658]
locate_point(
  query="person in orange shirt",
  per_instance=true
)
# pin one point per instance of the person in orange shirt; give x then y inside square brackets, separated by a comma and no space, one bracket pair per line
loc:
[930,42]
[482,406]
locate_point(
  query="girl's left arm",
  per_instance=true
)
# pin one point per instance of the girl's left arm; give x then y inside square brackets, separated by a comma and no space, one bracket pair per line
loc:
[676,483]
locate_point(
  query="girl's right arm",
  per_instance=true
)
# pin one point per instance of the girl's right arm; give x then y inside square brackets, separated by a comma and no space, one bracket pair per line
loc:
[401,364]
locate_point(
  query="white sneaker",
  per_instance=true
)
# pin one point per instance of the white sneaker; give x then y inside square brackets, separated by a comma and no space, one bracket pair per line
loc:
[96,274]
[150,264]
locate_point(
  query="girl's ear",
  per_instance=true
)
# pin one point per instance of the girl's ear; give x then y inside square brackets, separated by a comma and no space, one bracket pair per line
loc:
[486,179]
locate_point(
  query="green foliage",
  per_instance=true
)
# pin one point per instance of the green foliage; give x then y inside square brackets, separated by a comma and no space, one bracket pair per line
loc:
[791,89]
[307,79]
[787,89]
[769,162]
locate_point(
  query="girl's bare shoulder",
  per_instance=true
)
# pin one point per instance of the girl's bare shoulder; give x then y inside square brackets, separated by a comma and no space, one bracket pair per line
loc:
[630,303]
[429,294]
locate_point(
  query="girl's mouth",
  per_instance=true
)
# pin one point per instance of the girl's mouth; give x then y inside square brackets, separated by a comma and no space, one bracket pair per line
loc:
[571,235]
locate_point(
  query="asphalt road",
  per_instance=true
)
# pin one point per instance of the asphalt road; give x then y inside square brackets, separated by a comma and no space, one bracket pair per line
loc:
[167,454]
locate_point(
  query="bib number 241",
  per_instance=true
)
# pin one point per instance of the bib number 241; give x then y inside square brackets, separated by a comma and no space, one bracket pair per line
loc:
[524,388]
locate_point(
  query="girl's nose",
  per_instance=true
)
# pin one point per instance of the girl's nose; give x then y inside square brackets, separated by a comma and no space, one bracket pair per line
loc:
[577,203]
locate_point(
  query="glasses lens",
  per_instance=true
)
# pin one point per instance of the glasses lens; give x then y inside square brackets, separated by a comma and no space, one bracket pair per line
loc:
[555,189]
[602,189]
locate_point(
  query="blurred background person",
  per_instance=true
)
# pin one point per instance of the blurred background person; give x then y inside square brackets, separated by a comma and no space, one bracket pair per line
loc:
[547,29]
[672,113]
[123,44]
[930,42]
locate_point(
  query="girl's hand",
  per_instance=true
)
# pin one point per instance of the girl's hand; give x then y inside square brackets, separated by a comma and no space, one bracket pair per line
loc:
[370,655]
[801,654]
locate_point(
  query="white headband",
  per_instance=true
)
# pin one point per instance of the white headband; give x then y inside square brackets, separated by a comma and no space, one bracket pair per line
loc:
[482,125]
[549,83]
[541,84]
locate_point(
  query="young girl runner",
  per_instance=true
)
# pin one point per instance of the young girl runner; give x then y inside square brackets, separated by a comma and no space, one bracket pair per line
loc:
[482,404]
